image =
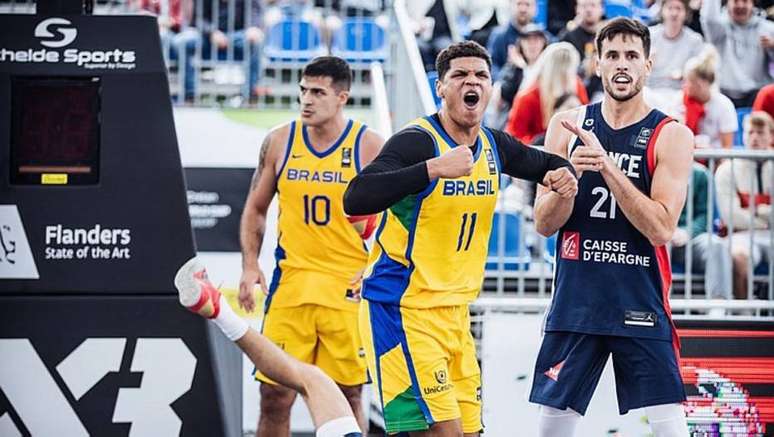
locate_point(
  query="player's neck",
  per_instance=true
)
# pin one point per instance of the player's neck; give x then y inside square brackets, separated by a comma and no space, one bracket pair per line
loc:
[323,136]
[460,134]
[621,114]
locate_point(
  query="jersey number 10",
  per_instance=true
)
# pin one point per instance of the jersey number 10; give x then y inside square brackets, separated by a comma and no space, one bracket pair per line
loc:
[317,210]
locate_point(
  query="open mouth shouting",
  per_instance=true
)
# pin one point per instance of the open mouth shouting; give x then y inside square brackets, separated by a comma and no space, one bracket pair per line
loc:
[471,99]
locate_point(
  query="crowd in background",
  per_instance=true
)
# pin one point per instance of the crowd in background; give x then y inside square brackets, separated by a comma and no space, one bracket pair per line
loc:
[712,64]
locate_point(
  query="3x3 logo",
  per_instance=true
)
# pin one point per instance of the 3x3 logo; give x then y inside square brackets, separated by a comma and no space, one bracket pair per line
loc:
[42,404]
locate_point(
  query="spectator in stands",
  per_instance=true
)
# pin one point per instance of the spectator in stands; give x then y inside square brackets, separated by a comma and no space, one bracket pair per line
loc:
[522,13]
[434,25]
[521,60]
[559,13]
[708,113]
[519,195]
[483,17]
[580,32]
[224,27]
[672,42]
[746,45]
[327,15]
[764,101]
[555,74]
[695,12]
[178,38]
[708,251]
[744,189]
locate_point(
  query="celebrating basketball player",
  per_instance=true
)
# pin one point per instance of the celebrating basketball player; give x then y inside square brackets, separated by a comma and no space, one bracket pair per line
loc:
[311,307]
[612,275]
[438,180]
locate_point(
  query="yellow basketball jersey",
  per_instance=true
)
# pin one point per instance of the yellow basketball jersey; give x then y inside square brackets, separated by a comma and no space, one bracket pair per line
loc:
[431,247]
[318,250]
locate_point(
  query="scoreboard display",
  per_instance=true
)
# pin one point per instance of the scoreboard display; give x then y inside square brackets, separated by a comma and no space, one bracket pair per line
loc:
[55,130]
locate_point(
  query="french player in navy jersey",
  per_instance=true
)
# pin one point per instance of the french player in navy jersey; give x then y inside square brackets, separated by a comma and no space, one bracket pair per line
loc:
[612,275]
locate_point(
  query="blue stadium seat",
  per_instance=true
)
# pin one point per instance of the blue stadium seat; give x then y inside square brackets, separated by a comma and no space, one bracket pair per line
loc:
[741,114]
[515,256]
[627,8]
[542,13]
[618,8]
[432,77]
[360,40]
[293,40]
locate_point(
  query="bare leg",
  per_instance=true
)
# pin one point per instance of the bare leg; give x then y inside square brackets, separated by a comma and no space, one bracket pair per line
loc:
[323,397]
[325,400]
[740,261]
[276,402]
[354,395]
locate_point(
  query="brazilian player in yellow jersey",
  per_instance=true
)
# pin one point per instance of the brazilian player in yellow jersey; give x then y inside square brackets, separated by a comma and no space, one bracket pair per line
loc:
[311,308]
[437,180]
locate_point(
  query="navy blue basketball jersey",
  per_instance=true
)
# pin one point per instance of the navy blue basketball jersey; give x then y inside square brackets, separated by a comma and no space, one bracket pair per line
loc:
[609,279]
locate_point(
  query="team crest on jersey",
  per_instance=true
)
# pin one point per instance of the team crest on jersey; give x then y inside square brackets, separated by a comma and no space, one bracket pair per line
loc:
[346,157]
[490,161]
[571,245]
[641,142]
[588,122]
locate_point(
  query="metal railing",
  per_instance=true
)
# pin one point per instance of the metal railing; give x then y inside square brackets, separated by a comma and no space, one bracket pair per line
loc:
[380,106]
[529,272]
[407,82]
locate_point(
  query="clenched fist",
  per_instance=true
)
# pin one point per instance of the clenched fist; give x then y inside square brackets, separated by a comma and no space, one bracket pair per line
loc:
[562,181]
[455,163]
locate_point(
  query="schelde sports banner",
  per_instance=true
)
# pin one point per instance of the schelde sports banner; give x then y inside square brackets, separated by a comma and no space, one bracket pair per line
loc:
[727,368]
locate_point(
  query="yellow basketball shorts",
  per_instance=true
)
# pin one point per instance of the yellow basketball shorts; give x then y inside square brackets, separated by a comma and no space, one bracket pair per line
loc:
[323,336]
[423,362]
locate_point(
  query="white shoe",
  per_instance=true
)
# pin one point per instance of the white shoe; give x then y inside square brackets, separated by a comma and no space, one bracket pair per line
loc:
[196,291]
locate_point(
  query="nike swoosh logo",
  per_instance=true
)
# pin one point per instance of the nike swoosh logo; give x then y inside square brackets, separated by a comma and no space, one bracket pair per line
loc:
[296,156]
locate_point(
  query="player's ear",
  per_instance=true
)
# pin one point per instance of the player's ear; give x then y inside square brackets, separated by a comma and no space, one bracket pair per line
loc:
[343,96]
[648,65]
[439,88]
[596,66]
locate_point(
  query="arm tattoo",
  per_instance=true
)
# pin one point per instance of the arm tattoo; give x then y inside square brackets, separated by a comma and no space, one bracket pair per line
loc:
[261,161]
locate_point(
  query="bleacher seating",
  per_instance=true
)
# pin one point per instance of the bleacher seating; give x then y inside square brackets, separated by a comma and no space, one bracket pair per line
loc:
[741,114]
[515,256]
[626,8]
[360,41]
[293,40]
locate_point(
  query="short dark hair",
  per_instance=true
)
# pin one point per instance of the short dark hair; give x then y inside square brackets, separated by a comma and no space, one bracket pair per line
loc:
[624,26]
[464,49]
[330,66]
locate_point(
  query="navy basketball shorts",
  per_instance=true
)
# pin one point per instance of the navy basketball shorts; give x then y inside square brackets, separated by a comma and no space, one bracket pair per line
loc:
[570,364]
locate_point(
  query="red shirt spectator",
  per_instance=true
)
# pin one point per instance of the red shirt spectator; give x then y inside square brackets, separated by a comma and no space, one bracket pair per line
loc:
[172,14]
[764,101]
[525,120]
